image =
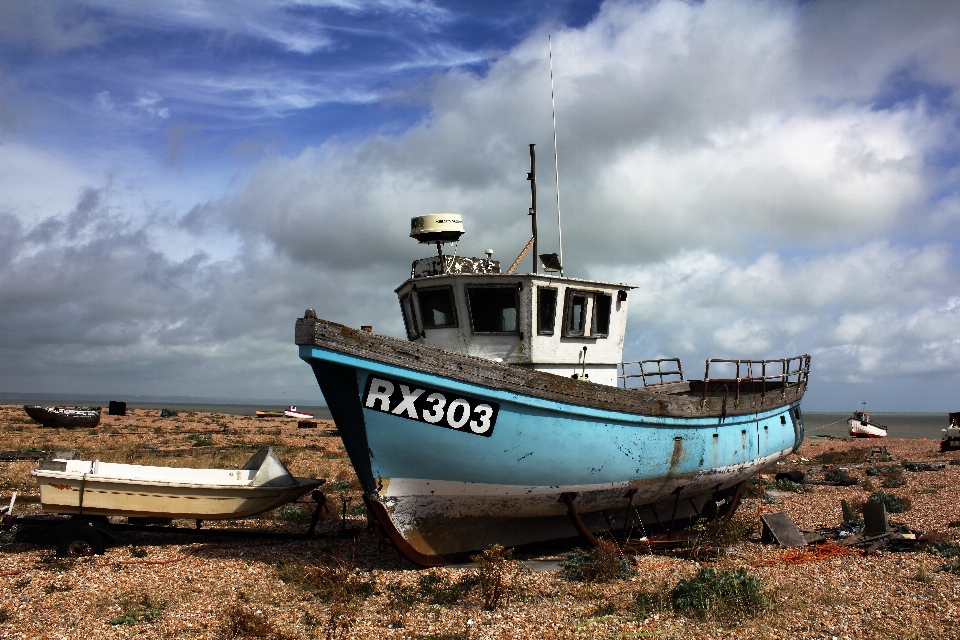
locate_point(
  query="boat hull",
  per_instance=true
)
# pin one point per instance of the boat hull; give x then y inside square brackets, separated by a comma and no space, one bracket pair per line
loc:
[499,476]
[115,489]
[64,417]
[146,500]
[860,429]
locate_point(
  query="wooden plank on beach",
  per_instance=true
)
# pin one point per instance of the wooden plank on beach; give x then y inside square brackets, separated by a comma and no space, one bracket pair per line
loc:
[779,528]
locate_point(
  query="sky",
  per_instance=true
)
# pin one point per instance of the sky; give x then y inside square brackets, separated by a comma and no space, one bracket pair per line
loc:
[179,181]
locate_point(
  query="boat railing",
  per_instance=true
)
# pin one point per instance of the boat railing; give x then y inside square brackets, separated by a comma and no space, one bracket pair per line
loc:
[646,368]
[790,373]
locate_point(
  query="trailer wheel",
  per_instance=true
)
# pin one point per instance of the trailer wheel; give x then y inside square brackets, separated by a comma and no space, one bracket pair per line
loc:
[84,542]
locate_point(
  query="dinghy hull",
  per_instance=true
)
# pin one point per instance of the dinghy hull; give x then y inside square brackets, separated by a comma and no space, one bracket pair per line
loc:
[111,489]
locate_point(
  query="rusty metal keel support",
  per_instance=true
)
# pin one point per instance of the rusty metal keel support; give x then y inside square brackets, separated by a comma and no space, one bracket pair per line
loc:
[379,521]
[667,540]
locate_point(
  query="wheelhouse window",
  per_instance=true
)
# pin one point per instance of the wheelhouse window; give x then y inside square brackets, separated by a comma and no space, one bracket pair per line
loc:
[493,309]
[584,309]
[409,321]
[575,313]
[600,326]
[546,310]
[436,308]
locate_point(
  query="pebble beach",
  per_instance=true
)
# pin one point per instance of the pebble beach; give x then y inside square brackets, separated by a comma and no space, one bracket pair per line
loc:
[164,586]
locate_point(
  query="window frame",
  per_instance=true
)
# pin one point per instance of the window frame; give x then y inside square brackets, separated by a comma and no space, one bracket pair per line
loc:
[568,312]
[413,331]
[593,314]
[552,329]
[516,296]
[590,313]
[453,305]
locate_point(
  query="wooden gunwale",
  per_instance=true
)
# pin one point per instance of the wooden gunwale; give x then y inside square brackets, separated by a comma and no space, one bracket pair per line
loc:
[717,400]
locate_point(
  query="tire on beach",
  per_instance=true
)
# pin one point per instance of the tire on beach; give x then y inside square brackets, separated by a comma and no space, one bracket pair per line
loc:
[792,476]
[80,542]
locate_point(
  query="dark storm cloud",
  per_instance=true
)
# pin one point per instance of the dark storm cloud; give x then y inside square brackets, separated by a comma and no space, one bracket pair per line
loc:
[88,304]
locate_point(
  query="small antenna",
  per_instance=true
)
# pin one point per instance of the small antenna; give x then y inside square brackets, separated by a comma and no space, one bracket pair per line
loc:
[556,158]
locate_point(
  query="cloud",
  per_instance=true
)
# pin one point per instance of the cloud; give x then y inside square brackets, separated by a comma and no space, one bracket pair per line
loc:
[672,181]
[676,157]
[873,312]
[146,103]
[856,49]
[38,183]
[300,26]
[771,189]
[91,301]
[47,26]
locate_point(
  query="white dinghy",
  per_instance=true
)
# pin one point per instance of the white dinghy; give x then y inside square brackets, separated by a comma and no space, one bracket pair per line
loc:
[111,489]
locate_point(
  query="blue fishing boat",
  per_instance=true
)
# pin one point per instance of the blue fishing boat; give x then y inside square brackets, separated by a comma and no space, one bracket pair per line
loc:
[508,416]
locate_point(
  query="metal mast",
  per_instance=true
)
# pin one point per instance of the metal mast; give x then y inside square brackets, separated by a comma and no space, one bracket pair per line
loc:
[556,158]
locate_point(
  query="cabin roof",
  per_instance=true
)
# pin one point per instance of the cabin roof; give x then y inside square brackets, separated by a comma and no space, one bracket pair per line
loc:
[515,276]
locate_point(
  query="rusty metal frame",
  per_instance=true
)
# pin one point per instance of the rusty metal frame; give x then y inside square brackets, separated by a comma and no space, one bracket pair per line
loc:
[794,373]
[644,374]
[672,537]
[379,521]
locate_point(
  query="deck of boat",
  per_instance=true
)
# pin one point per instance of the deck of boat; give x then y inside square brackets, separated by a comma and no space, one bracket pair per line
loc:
[689,399]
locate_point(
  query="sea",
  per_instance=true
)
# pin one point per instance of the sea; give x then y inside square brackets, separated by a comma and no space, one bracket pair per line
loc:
[899,425]
[816,424]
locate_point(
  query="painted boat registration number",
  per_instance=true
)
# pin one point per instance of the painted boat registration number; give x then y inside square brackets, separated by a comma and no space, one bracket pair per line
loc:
[440,408]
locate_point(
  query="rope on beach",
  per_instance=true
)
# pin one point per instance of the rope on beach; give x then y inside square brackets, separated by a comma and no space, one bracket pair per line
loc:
[804,555]
[824,426]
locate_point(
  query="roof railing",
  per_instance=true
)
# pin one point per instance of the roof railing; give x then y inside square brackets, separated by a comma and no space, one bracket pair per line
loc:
[791,373]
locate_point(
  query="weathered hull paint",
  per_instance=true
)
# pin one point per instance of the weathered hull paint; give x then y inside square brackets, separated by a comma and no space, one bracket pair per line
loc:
[449,491]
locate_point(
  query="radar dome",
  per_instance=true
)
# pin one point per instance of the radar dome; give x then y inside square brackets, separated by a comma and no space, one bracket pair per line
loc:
[437,227]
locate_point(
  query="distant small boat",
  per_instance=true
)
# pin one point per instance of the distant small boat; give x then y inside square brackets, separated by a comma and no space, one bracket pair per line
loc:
[269,414]
[292,412]
[951,435]
[861,427]
[111,489]
[64,417]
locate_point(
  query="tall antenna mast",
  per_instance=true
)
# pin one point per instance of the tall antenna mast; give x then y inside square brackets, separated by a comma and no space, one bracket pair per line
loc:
[556,158]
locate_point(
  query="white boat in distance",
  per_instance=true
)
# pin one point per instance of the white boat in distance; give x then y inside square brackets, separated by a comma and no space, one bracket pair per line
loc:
[112,489]
[861,427]
[292,412]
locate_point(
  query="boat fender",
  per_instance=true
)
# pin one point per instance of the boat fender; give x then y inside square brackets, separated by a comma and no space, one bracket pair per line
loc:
[792,476]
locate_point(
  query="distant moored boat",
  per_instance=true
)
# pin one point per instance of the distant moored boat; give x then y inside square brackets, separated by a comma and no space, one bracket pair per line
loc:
[292,412]
[861,427]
